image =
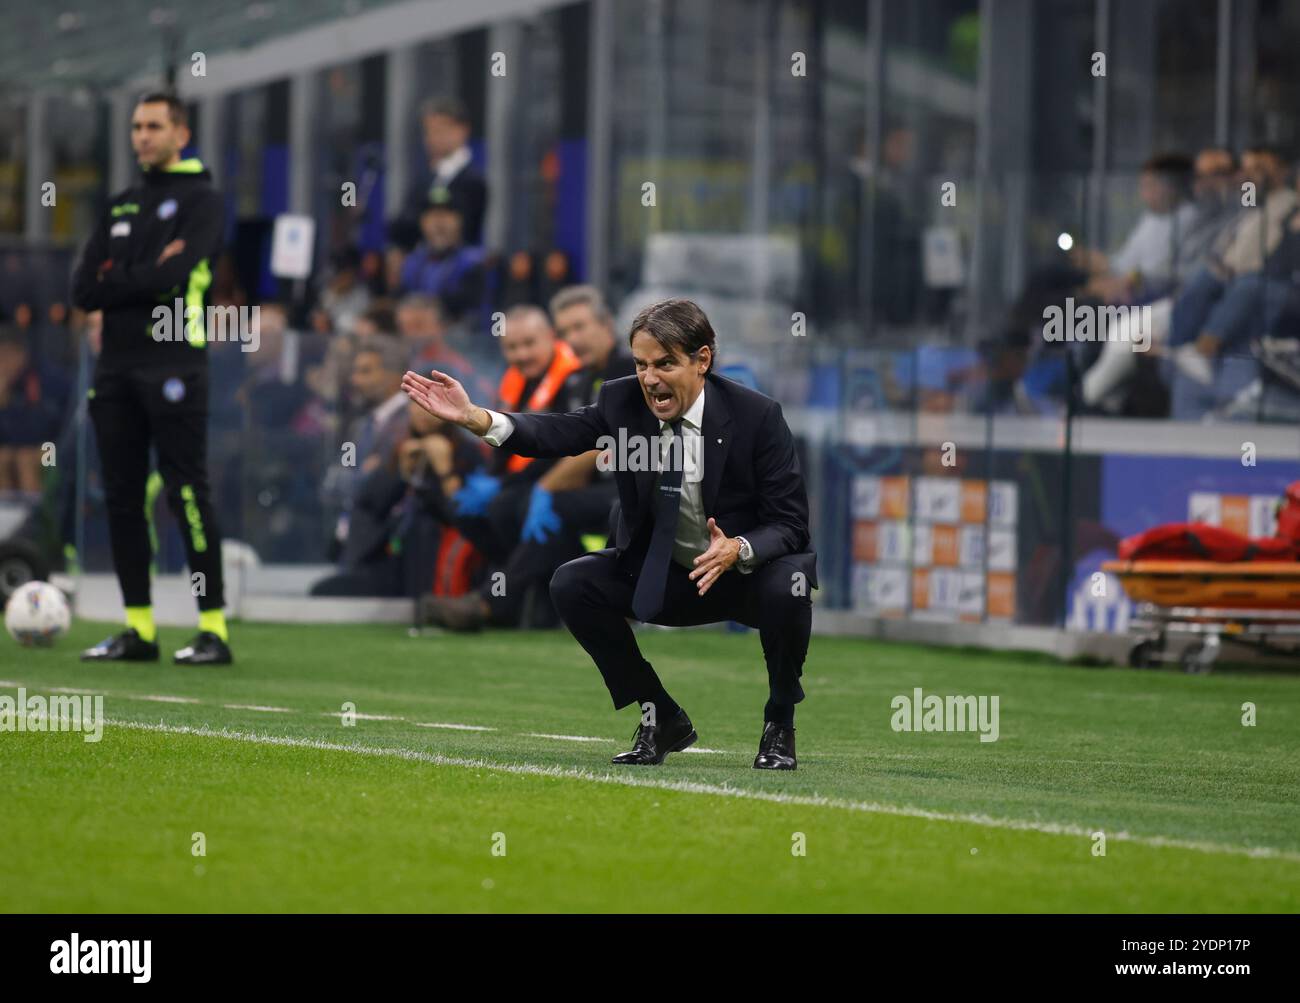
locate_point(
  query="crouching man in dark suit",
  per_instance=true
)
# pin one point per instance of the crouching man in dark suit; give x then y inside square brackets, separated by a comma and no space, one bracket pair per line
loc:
[713,520]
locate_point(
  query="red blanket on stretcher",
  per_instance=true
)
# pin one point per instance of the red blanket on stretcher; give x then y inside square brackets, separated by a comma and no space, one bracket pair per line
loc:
[1193,541]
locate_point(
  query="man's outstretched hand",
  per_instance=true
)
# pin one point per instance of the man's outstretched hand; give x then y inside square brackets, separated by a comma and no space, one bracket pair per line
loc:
[723,552]
[443,397]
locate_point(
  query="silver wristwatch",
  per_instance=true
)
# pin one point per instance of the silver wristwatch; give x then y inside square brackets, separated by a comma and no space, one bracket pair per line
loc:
[746,560]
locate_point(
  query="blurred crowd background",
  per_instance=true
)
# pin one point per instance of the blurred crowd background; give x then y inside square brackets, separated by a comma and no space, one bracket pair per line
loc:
[874,201]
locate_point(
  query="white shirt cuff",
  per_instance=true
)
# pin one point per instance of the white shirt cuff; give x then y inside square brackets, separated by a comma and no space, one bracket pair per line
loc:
[500,429]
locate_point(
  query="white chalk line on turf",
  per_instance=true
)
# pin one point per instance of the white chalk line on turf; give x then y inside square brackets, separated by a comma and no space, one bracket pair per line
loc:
[718,790]
[589,738]
[361,717]
[452,726]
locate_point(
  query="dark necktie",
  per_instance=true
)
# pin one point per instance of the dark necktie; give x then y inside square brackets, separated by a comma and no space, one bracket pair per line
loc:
[648,599]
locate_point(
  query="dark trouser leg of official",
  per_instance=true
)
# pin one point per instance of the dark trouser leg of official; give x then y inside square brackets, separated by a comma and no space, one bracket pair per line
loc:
[122,431]
[583,510]
[180,433]
[594,599]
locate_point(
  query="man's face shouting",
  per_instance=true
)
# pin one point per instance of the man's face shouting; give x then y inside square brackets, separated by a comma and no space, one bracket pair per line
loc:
[670,379]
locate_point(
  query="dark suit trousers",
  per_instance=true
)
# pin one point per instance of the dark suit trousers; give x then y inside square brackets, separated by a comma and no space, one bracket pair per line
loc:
[595,601]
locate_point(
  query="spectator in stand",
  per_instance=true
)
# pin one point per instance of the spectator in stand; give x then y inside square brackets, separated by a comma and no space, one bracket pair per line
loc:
[1156,252]
[379,318]
[446,141]
[345,297]
[398,521]
[274,394]
[572,497]
[423,329]
[1200,312]
[372,271]
[1215,184]
[376,380]
[329,378]
[1254,305]
[491,508]
[443,265]
[33,407]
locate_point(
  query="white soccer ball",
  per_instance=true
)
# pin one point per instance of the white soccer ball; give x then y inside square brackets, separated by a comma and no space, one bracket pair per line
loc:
[37,614]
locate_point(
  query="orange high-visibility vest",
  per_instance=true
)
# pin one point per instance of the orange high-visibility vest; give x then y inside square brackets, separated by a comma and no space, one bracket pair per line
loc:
[563,362]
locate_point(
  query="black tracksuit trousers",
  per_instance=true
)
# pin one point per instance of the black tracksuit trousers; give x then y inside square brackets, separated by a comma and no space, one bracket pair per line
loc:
[166,408]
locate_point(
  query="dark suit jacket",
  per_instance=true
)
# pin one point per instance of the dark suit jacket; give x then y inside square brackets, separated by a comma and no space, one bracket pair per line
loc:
[752,484]
[468,188]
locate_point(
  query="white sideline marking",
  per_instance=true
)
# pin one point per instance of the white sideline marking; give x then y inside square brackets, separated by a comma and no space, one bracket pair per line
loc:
[155,697]
[586,738]
[694,787]
[454,727]
[361,717]
[253,706]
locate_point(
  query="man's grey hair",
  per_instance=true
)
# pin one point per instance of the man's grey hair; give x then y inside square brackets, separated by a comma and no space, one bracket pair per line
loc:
[583,295]
[392,353]
[526,312]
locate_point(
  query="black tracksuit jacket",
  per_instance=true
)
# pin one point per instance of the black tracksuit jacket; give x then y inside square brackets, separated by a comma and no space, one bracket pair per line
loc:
[119,271]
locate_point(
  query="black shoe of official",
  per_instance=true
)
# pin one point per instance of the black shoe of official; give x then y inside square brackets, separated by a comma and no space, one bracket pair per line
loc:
[650,746]
[205,649]
[776,748]
[127,646]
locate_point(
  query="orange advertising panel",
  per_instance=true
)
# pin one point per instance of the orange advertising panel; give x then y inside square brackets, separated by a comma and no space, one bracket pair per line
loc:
[1001,595]
[895,500]
[945,550]
[865,541]
[921,588]
[974,501]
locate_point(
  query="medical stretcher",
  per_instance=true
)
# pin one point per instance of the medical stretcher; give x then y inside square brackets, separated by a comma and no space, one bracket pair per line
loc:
[1255,604]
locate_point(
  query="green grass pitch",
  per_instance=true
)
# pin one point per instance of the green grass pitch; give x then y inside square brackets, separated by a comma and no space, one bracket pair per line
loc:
[400,812]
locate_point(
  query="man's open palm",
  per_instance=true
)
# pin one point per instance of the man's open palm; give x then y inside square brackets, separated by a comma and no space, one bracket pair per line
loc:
[439,394]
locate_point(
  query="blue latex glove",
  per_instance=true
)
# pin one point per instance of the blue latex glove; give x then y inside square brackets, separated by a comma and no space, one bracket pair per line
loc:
[541,520]
[473,498]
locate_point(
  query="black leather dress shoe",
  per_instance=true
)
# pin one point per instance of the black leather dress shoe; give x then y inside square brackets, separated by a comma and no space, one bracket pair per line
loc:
[650,746]
[205,649]
[127,646]
[776,748]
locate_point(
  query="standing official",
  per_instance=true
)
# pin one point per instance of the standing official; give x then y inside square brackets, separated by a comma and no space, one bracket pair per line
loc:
[727,496]
[155,247]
